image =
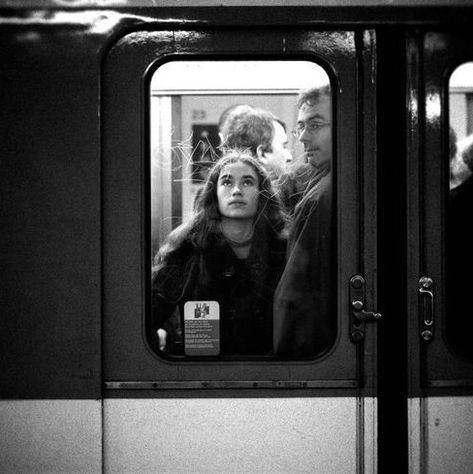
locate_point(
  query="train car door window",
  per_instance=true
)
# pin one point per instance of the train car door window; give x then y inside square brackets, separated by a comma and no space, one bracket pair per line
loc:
[238,164]
[459,208]
[439,163]
[441,363]
[199,217]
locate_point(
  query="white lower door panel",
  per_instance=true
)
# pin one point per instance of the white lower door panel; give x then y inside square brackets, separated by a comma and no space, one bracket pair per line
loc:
[441,435]
[275,435]
[50,436]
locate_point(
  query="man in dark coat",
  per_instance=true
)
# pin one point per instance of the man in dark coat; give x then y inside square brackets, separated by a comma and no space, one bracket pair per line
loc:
[304,310]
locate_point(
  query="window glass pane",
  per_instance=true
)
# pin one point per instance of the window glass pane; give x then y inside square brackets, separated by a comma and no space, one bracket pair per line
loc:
[242,237]
[459,237]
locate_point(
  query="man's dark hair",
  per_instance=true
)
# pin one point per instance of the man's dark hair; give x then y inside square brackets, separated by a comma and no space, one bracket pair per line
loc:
[312,96]
[224,115]
[280,122]
[247,128]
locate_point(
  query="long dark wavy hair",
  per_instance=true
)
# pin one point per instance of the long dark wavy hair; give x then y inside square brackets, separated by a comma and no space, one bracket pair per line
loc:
[203,228]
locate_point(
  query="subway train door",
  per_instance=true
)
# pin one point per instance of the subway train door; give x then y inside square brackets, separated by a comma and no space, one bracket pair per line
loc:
[440,202]
[209,411]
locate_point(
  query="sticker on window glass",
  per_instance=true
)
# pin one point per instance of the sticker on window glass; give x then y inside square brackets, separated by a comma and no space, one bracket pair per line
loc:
[201,328]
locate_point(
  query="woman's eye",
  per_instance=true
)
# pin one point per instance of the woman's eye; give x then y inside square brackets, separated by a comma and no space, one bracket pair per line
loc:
[226,182]
[248,182]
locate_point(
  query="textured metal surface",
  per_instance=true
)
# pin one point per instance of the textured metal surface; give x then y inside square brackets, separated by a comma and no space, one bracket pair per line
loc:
[53,436]
[435,368]
[50,335]
[441,434]
[126,70]
[235,435]
[228,384]
[222,3]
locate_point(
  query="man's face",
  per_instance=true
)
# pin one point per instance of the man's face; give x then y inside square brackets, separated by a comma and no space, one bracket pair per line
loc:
[315,123]
[279,157]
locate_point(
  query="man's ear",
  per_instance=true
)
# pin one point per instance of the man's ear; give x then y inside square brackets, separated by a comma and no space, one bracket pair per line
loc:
[260,154]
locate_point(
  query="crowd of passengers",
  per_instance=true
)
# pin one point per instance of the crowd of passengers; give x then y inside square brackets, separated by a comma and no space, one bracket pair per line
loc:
[259,241]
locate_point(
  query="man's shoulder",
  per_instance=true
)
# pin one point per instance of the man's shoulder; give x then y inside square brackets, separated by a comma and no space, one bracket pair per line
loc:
[325,184]
[296,178]
[320,188]
[464,189]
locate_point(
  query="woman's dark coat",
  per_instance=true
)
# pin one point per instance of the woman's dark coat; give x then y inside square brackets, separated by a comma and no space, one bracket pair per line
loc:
[243,288]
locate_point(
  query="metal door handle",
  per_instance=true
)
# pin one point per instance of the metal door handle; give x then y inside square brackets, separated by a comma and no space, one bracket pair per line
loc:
[363,315]
[358,315]
[426,296]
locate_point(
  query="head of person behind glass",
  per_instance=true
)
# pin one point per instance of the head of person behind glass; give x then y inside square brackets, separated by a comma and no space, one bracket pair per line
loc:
[236,196]
[313,128]
[261,133]
[461,159]
[231,251]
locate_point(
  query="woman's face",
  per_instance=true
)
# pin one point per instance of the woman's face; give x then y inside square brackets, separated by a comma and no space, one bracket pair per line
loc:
[238,191]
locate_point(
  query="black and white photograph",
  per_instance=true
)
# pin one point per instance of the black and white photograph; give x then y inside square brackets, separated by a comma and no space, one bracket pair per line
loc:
[235,236]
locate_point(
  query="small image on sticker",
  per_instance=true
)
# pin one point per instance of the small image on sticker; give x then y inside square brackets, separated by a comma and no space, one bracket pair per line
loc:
[201,310]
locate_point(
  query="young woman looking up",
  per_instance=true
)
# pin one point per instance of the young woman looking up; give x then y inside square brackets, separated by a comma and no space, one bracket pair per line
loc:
[232,252]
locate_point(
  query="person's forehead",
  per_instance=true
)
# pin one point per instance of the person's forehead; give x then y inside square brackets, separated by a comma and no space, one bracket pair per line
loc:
[238,169]
[319,110]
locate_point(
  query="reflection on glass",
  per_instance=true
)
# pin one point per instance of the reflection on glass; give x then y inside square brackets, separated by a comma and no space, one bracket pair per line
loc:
[459,237]
[242,264]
